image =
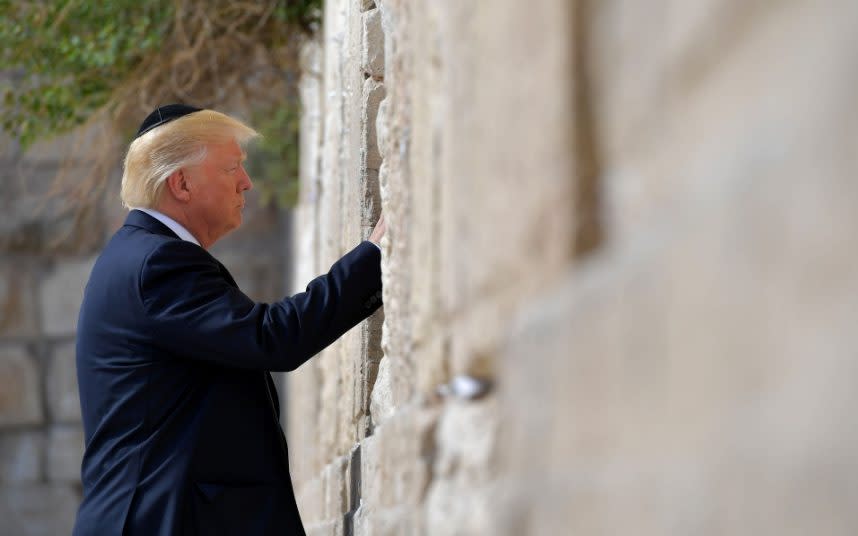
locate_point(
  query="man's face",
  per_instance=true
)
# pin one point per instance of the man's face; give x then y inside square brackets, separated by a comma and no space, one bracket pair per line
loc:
[218,185]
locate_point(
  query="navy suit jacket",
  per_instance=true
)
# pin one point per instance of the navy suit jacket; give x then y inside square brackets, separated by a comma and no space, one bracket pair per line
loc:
[180,414]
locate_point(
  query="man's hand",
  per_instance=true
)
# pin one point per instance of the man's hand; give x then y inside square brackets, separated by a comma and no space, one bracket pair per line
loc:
[378,231]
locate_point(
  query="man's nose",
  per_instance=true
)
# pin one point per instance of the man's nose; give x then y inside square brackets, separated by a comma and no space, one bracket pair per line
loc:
[245,183]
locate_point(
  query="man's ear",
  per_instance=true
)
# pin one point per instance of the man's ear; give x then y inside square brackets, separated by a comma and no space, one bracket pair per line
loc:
[177,185]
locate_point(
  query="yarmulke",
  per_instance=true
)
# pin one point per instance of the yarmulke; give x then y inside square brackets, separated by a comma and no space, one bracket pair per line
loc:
[164,114]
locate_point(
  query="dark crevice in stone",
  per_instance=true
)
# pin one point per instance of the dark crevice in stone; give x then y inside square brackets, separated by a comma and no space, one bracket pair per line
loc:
[354,491]
[589,232]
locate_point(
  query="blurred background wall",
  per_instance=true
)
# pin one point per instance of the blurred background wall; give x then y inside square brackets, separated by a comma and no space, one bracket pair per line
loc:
[631,225]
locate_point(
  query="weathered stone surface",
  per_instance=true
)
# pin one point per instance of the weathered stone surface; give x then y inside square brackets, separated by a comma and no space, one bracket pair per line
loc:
[372,355]
[328,528]
[336,487]
[457,507]
[432,365]
[18,314]
[650,373]
[466,439]
[63,395]
[504,153]
[389,522]
[37,510]
[310,497]
[382,405]
[373,94]
[396,461]
[303,433]
[61,294]
[20,390]
[65,452]
[39,218]
[21,456]
[372,50]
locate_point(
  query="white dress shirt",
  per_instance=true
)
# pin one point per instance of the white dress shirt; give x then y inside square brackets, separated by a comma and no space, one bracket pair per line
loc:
[174,226]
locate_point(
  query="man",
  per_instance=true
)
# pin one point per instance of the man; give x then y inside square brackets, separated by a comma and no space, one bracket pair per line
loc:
[179,411]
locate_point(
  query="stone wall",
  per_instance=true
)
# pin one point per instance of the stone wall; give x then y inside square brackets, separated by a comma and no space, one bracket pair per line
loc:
[43,268]
[632,225]
[44,264]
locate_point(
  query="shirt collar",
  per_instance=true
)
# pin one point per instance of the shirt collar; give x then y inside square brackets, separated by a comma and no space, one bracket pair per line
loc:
[174,226]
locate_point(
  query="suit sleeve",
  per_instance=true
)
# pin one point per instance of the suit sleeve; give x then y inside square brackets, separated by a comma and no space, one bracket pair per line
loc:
[193,310]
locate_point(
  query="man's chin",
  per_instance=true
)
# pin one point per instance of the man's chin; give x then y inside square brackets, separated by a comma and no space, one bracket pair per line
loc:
[236,223]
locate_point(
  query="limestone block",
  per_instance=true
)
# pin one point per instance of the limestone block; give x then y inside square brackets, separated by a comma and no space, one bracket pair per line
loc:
[505,153]
[326,528]
[425,196]
[382,127]
[460,508]
[388,522]
[396,460]
[63,395]
[466,437]
[473,347]
[306,460]
[65,452]
[303,259]
[352,134]
[61,294]
[682,365]
[371,462]
[432,364]
[336,486]
[21,456]
[371,355]
[350,371]
[311,500]
[38,510]
[305,263]
[329,399]
[382,404]
[373,94]
[18,315]
[372,50]
[370,209]
[38,219]
[20,392]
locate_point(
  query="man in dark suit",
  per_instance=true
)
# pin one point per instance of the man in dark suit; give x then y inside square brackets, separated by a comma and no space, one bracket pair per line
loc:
[179,410]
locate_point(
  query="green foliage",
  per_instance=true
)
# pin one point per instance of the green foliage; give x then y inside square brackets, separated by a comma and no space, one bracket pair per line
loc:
[273,160]
[64,61]
[66,58]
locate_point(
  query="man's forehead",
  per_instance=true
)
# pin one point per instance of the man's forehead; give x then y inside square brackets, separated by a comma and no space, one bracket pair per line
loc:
[229,150]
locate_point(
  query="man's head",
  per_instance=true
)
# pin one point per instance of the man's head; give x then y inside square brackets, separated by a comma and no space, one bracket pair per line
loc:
[190,168]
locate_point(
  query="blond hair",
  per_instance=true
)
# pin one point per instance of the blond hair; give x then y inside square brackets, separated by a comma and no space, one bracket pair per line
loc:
[159,153]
